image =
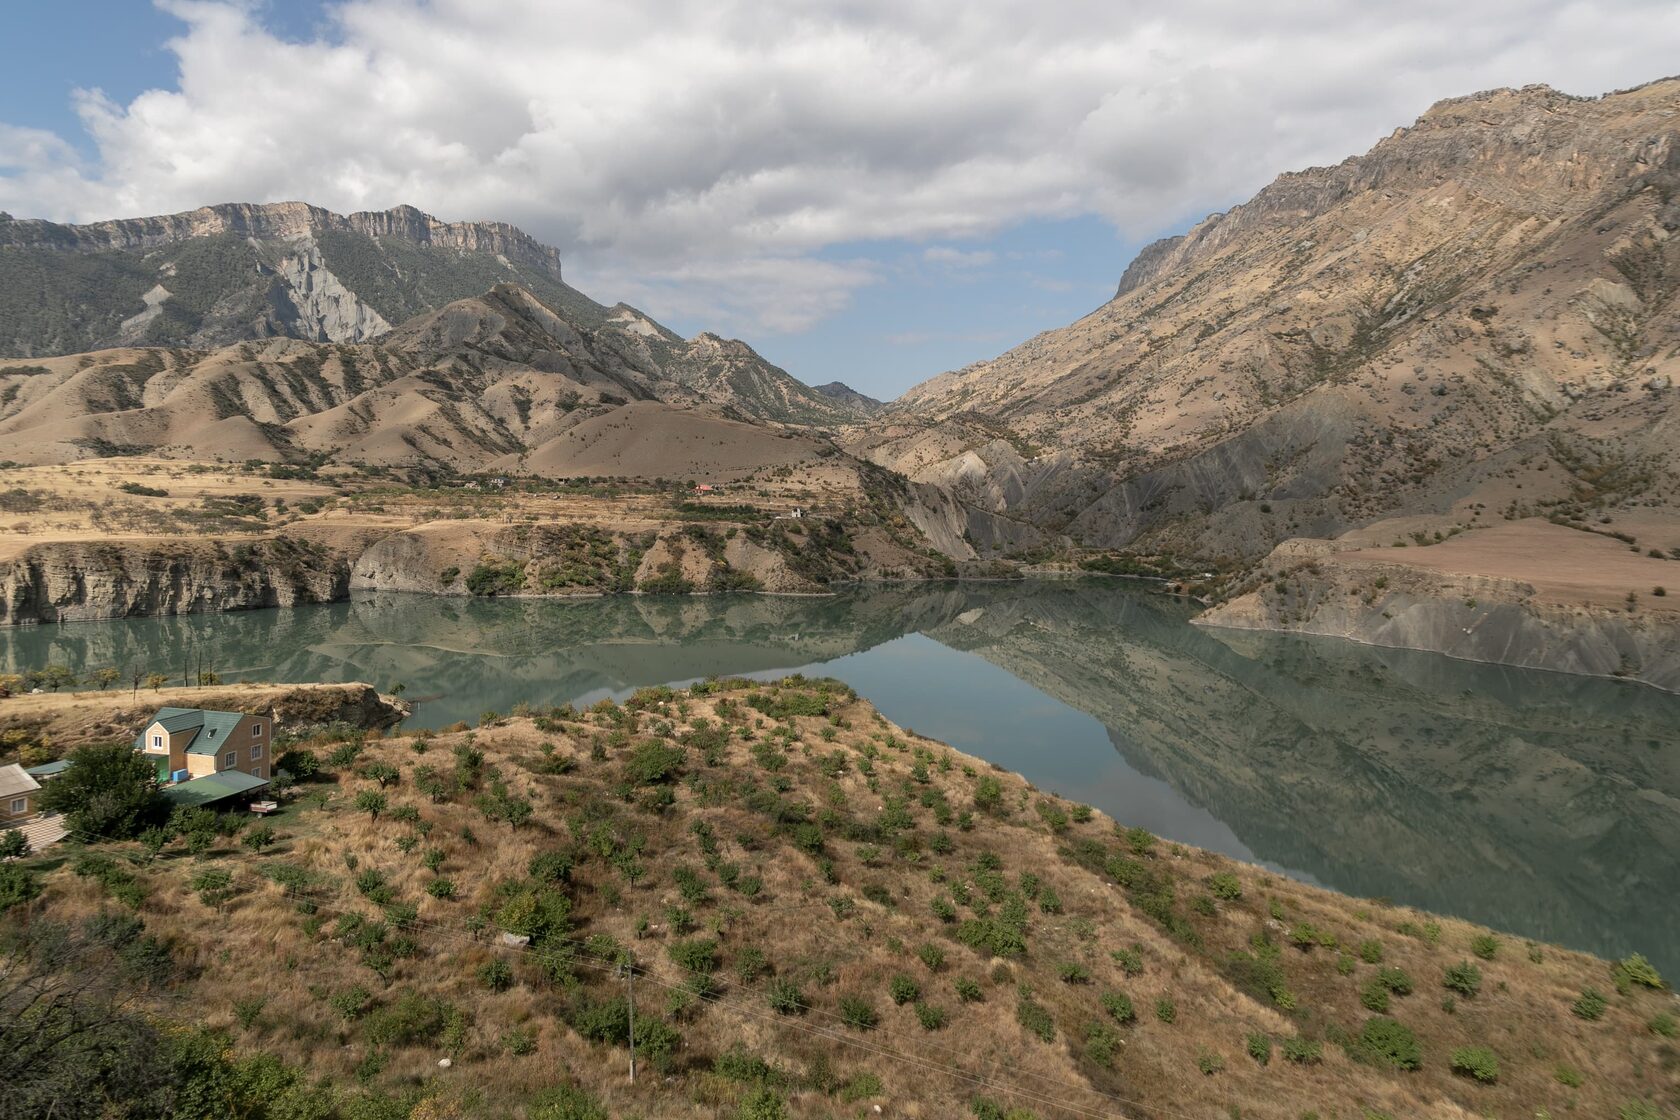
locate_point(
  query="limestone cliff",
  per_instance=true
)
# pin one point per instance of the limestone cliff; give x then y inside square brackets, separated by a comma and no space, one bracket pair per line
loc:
[283,221]
[75,581]
[1563,605]
[237,272]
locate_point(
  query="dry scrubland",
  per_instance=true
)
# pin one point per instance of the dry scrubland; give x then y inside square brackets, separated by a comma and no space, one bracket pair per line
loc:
[830,913]
[127,537]
[36,728]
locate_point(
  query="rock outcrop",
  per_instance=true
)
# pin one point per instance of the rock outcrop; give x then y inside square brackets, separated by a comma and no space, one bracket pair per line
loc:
[283,221]
[1601,619]
[1355,342]
[77,581]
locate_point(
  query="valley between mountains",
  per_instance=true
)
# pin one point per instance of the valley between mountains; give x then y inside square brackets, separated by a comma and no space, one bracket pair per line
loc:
[1423,398]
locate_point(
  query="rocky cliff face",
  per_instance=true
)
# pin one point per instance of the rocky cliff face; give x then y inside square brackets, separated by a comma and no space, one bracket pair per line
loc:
[1474,617]
[283,221]
[1355,342]
[234,272]
[77,581]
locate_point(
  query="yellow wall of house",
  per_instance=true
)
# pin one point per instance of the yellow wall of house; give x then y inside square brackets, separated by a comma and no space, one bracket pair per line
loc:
[29,810]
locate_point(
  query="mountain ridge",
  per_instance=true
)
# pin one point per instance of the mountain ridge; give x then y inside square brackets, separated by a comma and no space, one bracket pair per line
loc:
[237,272]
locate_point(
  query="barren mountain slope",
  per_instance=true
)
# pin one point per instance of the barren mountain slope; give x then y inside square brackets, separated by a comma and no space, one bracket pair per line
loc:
[475,381]
[1492,285]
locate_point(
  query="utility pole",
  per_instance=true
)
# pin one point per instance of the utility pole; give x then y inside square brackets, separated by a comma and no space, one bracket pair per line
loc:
[630,988]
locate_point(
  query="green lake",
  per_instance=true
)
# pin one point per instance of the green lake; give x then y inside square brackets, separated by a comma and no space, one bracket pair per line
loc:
[1541,804]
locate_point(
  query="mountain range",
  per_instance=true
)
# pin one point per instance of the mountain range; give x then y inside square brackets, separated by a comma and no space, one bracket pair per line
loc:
[1468,334]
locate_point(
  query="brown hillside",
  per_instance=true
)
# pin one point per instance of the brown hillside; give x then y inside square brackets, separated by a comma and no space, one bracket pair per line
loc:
[826,907]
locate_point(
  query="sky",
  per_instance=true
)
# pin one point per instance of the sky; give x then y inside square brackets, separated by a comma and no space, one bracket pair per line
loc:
[866,190]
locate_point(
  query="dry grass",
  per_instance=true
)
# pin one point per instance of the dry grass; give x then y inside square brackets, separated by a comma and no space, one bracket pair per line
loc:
[261,946]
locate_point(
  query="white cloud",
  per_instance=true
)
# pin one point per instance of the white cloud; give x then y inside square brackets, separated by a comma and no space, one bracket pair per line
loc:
[699,153]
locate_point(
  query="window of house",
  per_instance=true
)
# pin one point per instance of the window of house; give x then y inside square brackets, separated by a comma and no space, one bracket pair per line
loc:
[232,759]
[157,740]
[256,752]
[19,804]
[256,731]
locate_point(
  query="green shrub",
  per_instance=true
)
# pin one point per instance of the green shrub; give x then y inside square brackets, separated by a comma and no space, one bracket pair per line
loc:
[1166,1010]
[698,955]
[1119,1006]
[1591,1006]
[763,1103]
[1477,1062]
[1302,1051]
[1209,1062]
[1225,885]
[566,1102]
[1640,971]
[1102,1042]
[1664,1024]
[858,1013]
[1072,973]
[1485,946]
[497,975]
[351,1003]
[651,762]
[931,1017]
[750,964]
[1385,1041]
[1035,1017]
[17,885]
[1568,1076]
[968,990]
[1374,997]
[903,990]
[1129,960]
[1396,980]
[1463,978]
[410,1020]
[441,888]
[1371,952]
[1260,1047]
[931,956]
[785,997]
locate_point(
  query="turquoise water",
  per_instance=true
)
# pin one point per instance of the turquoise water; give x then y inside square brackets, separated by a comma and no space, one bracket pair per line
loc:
[1544,805]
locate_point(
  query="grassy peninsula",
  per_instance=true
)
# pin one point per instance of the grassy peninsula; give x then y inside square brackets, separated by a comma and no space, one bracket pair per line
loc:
[815,912]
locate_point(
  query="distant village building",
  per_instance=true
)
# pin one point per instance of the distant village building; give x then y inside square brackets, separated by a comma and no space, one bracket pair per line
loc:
[17,795]
[203,757]
[19,811]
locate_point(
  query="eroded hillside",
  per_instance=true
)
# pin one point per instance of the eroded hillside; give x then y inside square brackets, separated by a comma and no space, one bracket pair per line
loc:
[1402,333]
[823,911]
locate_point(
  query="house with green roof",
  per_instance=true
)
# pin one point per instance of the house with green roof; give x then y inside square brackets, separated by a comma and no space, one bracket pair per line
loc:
[188,744]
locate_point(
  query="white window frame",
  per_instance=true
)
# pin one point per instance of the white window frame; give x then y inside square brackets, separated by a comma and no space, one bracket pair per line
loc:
[157,742]
[20,804]
[256,731]
[256,751]
[231,759]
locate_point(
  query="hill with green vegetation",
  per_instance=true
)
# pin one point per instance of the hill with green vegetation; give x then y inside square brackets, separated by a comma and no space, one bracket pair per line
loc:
[794,908]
